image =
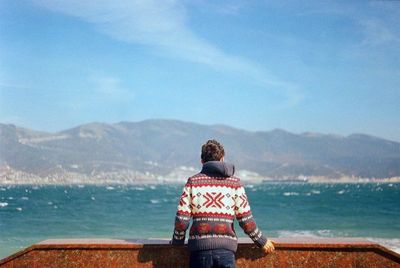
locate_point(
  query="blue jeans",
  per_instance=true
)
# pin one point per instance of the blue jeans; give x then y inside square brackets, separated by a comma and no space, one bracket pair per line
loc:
[212,258]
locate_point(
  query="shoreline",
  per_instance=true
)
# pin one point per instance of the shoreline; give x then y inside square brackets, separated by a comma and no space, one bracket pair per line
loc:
[178,183]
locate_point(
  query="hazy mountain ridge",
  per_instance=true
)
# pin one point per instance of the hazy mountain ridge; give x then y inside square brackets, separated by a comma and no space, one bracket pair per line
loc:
[159,147]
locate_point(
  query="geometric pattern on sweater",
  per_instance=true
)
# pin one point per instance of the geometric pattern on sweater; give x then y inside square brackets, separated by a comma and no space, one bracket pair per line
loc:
[213,203]
[203,180]
[204,195]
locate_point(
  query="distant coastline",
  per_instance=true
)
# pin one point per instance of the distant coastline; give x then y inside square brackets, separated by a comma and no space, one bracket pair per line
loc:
[9,176]
[166,151]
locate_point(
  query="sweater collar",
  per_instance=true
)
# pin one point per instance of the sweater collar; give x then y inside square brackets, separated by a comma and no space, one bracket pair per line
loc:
[218,169]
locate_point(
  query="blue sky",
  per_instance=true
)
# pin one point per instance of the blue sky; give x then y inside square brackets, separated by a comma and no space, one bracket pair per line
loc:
[329,67]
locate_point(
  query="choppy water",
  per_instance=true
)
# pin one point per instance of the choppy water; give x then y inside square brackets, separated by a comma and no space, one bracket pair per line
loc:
[29,214]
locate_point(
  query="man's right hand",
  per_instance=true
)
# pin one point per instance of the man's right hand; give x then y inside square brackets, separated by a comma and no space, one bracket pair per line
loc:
[269,246]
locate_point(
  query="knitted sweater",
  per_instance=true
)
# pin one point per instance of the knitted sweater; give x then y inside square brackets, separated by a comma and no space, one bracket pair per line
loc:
[213,199]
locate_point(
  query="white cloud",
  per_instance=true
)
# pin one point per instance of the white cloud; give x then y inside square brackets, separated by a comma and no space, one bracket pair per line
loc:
[107,88]
[377,33]
[162,25]
[221,7]
[376,21]
[11,86]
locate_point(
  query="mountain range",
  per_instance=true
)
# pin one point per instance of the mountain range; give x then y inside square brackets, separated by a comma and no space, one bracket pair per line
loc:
[159,147]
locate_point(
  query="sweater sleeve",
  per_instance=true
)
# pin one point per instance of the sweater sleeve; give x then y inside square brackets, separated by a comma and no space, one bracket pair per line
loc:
[245,218]
[182,218]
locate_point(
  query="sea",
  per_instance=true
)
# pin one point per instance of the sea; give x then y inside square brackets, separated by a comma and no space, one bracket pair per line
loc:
[32,213]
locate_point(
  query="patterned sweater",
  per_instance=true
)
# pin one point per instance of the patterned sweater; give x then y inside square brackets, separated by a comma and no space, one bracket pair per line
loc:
[213,199]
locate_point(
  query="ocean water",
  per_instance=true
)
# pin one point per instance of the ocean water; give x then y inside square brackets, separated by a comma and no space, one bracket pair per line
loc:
[29,214]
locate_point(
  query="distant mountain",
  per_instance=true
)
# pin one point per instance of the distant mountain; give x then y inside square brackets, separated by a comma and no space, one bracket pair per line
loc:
[160,146]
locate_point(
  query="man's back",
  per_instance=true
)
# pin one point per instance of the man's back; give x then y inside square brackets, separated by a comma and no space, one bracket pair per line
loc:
[214,198]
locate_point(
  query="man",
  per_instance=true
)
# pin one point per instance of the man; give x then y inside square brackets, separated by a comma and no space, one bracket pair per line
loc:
[214,198]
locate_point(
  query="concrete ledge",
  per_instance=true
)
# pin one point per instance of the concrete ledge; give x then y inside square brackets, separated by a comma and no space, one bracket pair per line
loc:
[290,252]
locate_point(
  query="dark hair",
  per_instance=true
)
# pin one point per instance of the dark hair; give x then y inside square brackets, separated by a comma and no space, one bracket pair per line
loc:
[212,150]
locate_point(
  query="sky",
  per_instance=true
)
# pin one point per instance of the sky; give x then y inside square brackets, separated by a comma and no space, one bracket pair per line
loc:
[331,67]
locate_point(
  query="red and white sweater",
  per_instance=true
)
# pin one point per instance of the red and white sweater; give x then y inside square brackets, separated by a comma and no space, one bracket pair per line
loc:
[213,199]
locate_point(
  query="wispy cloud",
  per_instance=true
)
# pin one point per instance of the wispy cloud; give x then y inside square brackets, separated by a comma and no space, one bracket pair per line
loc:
[377,33]
[163,26]
[12,86]
[375,28]
[110,88]
[222,7]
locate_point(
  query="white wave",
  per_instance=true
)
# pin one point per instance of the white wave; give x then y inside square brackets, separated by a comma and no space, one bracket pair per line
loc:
[19,209]
[3,204]
[305,233]
[152,187]
[3,189]
[290,193]
[25,198]
[154,201]
[315,192]
[110,188]
[93,198]
[139,188]
[10,198]
[341,192]
[324,233]
[391,243]
[81,186]
[50,203]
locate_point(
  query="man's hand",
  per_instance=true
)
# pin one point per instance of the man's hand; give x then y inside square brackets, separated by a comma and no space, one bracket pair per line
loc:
[269,246]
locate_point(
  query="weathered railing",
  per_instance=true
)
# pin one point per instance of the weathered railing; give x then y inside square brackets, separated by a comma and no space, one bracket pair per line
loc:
[290,252]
